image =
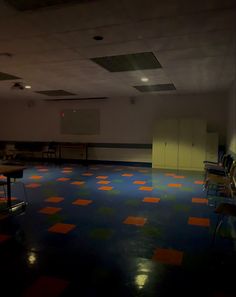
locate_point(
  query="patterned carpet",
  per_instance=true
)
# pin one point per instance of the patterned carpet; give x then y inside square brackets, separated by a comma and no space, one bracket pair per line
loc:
[109,230]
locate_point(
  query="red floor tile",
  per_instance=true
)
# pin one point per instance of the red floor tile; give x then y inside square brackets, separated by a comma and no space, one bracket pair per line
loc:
[33,185]
[203,222]
[42,170]
[46,287]
[87,174]
[103,182]
[82,202]
[105,188]
[35,177]
[54,199]
[199,182]
[168,256]
[127,174]
[4,237]
[174,185]
[200,200]
[49,210]
[61,228]
[137,221]
[63,179]
[139,182]
[145,188]
[78,183]
[151,200]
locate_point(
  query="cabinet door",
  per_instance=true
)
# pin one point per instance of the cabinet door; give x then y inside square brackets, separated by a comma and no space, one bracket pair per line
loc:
[192,142]
[158,146]
[198,144]
[171,144]
[185,144]
[165,144]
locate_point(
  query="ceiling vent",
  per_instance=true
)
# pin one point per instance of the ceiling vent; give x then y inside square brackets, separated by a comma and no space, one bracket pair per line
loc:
[55,93]
[130,62]
[23,5]
[6,76]
[155,88]
[76,99]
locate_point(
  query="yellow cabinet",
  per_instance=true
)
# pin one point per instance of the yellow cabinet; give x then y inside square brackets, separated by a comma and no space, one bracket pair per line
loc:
[179,144]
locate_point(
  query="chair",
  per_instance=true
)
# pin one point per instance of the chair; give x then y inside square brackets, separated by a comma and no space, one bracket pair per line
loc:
[223,184]
[49,151]
[9,152]
[14,177]
[223,210]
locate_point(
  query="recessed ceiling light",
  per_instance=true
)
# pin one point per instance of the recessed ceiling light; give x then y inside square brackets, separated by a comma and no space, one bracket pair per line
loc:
[27,87]
[144,79]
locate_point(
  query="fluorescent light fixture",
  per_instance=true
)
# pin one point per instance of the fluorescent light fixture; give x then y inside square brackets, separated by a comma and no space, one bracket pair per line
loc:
[27,87]
[144,79]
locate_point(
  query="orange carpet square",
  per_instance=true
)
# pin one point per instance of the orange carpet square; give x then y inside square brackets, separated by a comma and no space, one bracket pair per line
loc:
[199,182]
[169,174]
[67,171]
[67,168]
[102,177]
[137,221]
[127,174]
[63,178]
[200,200]
[33,185]
[168,256]
[78,183]
[49,210]
[4,237]
[103,182]
[178,176]
[139,182]
[35,177]
[4,199]
[105,188]
[87,174]
[55,199]
[61,228]
[82,202]
[151,200]
[46,287]
[203,222]
[145,188]
[174,185]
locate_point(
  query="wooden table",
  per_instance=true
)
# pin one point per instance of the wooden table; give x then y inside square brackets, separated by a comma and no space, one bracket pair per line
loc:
[11,171]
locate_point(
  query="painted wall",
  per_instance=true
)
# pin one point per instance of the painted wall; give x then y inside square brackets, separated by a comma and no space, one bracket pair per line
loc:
[121,121]
[231,131]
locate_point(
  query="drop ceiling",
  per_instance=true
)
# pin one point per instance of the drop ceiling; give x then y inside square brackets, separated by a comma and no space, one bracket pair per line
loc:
[53,48]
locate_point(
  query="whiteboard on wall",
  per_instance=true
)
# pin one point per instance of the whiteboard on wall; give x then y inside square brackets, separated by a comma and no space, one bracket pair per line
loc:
[80,121]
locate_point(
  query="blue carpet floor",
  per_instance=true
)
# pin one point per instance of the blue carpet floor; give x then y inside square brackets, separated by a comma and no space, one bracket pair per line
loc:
[109,230]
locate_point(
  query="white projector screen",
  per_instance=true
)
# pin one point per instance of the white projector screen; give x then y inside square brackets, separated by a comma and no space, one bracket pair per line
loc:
[80,121]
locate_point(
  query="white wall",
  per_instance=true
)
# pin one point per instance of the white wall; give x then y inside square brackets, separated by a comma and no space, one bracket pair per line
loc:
[231,131]
[121,121]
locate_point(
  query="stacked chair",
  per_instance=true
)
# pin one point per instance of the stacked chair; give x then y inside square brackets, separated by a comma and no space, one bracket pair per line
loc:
[220,180]
[219,177]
